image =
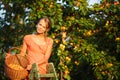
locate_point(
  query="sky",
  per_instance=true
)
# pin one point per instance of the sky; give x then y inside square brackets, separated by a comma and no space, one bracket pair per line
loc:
[91,2]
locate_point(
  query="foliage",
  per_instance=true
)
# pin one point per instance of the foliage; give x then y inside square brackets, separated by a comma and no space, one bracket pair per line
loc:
[86,39]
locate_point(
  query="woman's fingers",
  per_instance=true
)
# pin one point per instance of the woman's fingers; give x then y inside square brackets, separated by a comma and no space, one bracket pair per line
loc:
[29,67]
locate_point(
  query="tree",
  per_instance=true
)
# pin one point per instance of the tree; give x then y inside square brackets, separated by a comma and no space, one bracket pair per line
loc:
[86,39]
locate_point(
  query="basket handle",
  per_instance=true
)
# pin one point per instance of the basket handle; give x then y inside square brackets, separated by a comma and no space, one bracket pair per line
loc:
[15,55]
[19,60]
[9,51]
[13,49]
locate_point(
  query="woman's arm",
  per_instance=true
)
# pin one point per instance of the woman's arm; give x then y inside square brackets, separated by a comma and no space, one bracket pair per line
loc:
[47,54]
[24,48]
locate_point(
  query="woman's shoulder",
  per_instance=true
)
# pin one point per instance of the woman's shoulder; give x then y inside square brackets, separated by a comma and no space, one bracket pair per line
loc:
[27,36]
[50,40]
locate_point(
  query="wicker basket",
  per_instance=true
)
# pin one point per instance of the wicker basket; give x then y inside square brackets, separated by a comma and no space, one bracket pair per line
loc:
[15,66]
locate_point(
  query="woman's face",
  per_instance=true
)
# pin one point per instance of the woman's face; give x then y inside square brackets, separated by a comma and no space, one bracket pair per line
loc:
[41,26]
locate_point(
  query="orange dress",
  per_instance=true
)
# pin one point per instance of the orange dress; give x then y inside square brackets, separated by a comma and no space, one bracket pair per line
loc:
[37,53]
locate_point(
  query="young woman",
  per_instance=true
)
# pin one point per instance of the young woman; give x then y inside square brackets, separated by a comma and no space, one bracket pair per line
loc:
[38,46]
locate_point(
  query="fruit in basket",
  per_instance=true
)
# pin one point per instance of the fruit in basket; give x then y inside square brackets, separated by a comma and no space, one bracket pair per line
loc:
[15,67]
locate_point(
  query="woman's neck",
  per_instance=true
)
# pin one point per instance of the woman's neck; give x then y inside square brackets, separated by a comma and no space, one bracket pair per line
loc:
[41,35]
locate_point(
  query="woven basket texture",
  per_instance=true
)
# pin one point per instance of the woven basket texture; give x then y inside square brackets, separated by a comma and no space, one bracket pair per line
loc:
[18,60]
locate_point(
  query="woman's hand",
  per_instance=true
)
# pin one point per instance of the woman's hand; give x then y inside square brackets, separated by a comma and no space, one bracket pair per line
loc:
[29,67]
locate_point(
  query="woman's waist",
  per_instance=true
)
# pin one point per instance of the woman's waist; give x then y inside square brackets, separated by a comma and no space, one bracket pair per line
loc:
[35,57]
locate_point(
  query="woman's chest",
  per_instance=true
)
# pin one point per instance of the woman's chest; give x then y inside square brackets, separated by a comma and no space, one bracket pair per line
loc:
[36,44]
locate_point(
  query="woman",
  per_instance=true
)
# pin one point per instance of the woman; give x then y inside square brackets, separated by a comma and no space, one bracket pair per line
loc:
[38,46]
